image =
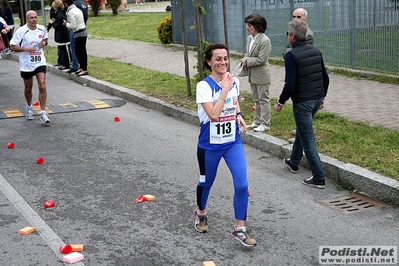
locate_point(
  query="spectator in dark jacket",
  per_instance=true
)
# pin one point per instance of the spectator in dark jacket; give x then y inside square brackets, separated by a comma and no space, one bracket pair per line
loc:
[306,83]
[61,33]
[7,15]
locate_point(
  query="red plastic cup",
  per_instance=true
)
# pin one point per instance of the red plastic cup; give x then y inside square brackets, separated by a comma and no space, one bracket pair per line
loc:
[253,108]
[66,249]
[49,204]
[140,199]
[11,145]
[117,119]
[40,160]
[36,104]
[249,193]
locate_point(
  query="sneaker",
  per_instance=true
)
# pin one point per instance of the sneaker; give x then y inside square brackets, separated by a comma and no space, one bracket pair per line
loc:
[29,114]
[261,128]
[44,118]
[8,51]
[293,168]
[253,125]
[314,183]
[200,222]
[242,235]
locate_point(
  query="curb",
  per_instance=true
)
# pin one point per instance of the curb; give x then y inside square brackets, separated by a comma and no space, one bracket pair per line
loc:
[362,180]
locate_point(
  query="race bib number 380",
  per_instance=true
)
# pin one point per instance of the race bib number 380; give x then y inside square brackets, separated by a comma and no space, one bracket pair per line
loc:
[36,57]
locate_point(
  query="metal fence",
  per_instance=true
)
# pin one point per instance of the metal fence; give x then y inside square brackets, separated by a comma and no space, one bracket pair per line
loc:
[359,34]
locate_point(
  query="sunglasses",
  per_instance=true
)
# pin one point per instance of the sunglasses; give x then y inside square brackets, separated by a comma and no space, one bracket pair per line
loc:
[296,16]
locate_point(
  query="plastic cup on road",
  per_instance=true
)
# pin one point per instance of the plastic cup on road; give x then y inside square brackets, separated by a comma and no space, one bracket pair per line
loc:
[11,145]
[49,204]
[66,249]
[40,160]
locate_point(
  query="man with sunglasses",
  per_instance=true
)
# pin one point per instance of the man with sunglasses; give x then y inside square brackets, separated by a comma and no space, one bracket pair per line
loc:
[301,14]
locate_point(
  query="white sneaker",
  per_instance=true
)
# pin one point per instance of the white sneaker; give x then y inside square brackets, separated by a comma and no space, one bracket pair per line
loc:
[44,118]
[261,128]
[253,125]
[29,114]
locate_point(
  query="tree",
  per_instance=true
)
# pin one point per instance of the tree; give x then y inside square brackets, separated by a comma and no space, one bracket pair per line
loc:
[186,62]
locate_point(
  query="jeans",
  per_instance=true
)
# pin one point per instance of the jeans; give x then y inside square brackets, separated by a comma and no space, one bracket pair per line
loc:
[74,59]
[304,140]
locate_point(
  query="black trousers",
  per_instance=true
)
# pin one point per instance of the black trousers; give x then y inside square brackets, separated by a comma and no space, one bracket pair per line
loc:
[81,52]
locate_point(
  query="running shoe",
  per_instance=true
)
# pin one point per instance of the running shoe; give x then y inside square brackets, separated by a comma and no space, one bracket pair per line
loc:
[29,113]
[44,118]
[200,222]
[242,235]
[311,182]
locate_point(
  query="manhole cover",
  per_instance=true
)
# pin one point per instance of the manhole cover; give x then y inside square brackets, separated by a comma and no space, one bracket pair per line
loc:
[353,202]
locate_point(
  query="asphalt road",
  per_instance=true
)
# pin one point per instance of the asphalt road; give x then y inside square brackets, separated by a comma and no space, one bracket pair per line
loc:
[95,168]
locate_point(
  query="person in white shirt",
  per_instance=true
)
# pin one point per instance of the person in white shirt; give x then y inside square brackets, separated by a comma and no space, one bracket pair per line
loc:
[76,23]
[220,118]
[29,41]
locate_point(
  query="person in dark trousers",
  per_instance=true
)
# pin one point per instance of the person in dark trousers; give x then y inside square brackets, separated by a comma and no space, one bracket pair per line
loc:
[75,62]
[306,83]
[61,33]
[7,15]
[75,22]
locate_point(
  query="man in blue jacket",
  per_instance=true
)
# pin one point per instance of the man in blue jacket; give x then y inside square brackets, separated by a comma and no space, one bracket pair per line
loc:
[306,83]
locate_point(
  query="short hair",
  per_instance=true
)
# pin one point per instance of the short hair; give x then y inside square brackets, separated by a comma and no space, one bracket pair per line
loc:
[299,28]
[258,21]
[69,2]
[209,52]
[57,4]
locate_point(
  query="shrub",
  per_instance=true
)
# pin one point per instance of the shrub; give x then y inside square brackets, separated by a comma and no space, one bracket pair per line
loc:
[114,6]
[164,29]
[95,6]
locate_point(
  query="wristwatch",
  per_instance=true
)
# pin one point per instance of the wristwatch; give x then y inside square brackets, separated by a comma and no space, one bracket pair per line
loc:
[240,113]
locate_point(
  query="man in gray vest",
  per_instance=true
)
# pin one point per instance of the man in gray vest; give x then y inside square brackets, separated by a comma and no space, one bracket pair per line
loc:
[306,83]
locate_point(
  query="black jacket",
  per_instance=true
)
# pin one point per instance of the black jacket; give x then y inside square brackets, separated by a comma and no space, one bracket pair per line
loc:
[82,6]
[311,78]
[61,34]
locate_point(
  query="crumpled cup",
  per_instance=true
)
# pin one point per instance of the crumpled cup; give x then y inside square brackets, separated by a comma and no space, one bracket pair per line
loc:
[49,204]
[10,145]
[140,199]
[66,249]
